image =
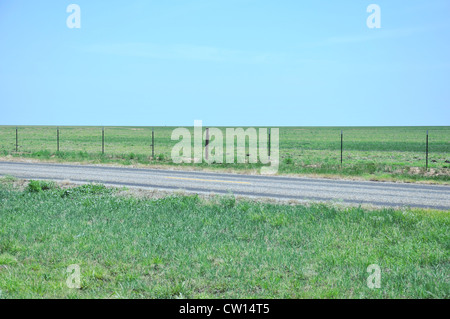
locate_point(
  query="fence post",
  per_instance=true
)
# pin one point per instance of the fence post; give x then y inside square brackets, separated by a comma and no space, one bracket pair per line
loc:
[207,144]
[269,142]
[342,146]
[57,138]
[426,165]
[17,140]
[153,143]
[103,140]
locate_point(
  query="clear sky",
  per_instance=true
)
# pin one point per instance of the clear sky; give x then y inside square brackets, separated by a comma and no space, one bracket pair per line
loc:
[226,62]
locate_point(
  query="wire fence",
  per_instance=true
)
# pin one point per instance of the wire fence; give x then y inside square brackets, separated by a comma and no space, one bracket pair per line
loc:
[305,146]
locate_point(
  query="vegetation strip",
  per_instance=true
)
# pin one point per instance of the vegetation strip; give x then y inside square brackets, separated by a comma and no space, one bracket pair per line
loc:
[187,247]
[370,153]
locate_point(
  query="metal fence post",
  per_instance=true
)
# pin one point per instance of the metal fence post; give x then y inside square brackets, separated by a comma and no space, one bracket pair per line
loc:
[207,144]
[269,142]
[153,142]
[57,138]
[103,140]
[342,146]
[426,165]
[17,140]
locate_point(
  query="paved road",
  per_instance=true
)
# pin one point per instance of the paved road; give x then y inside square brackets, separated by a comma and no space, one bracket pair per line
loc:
[277,187]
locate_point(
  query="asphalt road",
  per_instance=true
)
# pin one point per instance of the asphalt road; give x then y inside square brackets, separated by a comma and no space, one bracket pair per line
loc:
[276,187]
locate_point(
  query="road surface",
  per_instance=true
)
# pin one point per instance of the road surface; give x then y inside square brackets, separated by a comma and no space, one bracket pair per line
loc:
[276,187]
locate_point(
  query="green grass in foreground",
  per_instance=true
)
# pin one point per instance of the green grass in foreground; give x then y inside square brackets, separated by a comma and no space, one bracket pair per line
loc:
[379,153]
[187,247]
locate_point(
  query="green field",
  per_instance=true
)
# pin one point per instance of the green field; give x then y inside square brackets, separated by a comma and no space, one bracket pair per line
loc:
[189,247]
[379,153]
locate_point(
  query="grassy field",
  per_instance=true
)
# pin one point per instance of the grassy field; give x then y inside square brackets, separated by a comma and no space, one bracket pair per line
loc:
[188,247]
[378,153]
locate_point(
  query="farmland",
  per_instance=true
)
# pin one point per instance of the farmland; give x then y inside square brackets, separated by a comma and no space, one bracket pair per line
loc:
[376,153]
[130,246]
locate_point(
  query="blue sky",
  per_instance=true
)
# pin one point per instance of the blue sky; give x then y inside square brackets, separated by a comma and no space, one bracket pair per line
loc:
[226,62]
